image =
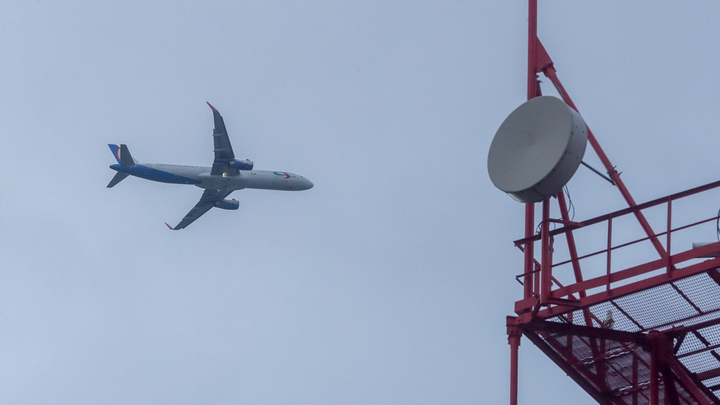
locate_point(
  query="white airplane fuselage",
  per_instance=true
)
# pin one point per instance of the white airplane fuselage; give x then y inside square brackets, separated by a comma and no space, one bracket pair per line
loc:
[201,177]
[226,175]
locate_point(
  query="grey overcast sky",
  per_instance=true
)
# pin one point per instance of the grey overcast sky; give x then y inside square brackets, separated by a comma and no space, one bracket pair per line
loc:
[387,283]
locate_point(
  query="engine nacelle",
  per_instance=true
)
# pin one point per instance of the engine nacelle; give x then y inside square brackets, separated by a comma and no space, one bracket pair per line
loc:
[231,204]
[243,164]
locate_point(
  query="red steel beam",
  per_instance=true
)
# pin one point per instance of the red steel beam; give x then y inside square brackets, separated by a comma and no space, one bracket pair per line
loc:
[646,268]
[532,50]
[674,324]
[635,370]
[681,330]
[567,291]
[529,253]
[632,242]
[593,334]
[573,373]
[546,258]
[614,175]
[624,211]
[671,394]
[706,375]
[690,384]
[698,351]
[531,93]
[572,248]
[654,389]
[548,69]
[626,290]
[514,334]
[662,360]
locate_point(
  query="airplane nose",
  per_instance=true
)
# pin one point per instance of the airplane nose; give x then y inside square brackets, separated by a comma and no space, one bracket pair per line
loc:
[308,184]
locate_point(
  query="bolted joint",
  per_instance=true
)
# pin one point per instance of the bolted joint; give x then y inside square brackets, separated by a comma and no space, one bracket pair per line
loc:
[514,331]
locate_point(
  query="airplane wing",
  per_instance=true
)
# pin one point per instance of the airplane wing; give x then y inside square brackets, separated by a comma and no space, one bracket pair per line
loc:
[223,150]
[206,202]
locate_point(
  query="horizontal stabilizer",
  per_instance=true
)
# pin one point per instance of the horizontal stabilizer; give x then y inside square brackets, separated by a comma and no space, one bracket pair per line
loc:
[117,179]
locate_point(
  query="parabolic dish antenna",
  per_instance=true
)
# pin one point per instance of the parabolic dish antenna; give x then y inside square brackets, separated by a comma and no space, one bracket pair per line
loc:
[537,149]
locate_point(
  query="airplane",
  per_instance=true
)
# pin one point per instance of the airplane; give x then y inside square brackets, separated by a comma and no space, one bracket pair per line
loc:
[226,175]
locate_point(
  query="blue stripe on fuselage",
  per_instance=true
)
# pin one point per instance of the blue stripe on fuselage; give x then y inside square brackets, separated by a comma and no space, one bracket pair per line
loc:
[154,174]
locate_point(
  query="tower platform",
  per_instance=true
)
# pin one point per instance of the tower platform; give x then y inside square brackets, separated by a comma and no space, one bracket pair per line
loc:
[614,300]
[645,334]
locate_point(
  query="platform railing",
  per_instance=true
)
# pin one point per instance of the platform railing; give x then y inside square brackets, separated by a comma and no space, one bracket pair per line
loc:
[549,298]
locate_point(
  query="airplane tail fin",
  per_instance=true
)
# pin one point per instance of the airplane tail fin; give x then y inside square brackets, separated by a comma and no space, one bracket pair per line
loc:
[124,158]
[122,154]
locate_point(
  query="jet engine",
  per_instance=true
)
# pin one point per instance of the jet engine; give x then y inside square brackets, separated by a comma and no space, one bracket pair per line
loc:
[231,204]
[242,164]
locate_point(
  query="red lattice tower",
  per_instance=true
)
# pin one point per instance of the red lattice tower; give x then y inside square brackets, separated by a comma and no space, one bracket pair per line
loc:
[640,334]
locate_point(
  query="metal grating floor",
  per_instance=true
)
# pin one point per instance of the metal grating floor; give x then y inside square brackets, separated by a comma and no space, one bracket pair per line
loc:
[616,362]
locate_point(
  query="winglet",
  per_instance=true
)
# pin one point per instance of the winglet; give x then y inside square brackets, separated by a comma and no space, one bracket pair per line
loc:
[213,108]
[171,228]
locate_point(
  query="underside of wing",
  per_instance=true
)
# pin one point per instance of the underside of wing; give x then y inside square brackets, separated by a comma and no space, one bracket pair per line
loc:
[207,201]
[224,155]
